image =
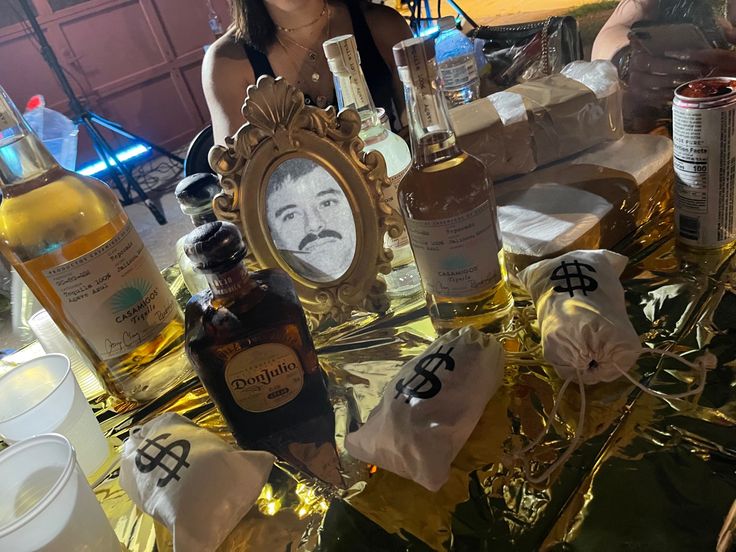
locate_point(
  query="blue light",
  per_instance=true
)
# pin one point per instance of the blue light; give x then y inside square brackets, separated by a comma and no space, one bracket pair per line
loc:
[123,155]
[429,31]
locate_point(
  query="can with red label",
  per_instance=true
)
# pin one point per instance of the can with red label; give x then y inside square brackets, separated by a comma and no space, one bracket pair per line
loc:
[704,136]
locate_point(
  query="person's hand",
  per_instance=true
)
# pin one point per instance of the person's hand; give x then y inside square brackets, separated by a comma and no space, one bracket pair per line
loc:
[715,62]
[651,84]
[653,79]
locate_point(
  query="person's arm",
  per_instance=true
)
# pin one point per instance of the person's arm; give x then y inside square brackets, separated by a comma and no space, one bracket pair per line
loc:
[615,33]
[226,74]
[388,28]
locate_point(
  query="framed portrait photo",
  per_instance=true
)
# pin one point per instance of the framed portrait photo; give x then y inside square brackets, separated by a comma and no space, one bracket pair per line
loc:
[297,181]
[310,220]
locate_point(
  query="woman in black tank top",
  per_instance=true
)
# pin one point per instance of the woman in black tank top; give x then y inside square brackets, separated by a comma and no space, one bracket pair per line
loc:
[284,38]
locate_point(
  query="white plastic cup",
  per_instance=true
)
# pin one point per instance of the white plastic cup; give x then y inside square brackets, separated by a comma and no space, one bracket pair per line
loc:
[53,340]
[46,503]
[42,396]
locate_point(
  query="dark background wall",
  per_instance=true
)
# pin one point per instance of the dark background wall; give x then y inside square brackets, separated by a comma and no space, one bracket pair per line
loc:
[136,62]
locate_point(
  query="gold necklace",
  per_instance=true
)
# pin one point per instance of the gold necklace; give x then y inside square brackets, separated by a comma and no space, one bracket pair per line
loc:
[311,54]
[292,29]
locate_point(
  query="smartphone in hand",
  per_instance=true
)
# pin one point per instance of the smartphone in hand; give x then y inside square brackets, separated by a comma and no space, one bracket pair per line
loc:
[657,39]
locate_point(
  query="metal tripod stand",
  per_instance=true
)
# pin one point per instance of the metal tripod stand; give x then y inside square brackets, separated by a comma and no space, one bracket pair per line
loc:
[121,176]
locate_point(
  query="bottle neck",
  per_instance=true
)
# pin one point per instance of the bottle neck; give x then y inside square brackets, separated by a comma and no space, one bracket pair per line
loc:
[352,91]
[230,284]
[22,155]
[204,217]
[432,136]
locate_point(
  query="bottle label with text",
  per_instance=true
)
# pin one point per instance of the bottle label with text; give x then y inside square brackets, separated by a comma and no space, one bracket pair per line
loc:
[422,72]
[458,73]
[115,295]
[264,377]
[391,197]
[458,256]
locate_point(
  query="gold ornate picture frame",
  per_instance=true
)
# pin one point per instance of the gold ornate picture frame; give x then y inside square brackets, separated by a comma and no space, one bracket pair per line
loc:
[293,178]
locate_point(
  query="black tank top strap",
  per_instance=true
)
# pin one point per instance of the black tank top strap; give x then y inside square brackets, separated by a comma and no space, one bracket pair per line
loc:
[377,73]
[259,61]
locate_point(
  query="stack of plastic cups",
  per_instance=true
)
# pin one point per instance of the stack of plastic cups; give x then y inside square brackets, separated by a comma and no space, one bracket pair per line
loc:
[53,341]
[42,396]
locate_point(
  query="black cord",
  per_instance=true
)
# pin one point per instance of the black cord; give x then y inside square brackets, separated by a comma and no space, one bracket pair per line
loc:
[439,9]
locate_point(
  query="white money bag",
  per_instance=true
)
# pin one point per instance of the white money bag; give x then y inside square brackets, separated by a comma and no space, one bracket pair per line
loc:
[431,407]
[190,480]
[582,314]
[587,335]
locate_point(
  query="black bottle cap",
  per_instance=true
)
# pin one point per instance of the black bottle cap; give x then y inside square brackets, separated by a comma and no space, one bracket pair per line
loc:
[215,246]
[196,192]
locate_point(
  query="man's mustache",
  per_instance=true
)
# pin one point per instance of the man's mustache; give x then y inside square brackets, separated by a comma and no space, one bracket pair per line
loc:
[309,238]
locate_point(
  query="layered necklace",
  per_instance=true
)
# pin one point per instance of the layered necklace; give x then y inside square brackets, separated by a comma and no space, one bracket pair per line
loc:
[312,22]
[315,59]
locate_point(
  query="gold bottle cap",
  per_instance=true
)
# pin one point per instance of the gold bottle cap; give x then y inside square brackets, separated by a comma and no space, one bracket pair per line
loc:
[342,54]
[415,61]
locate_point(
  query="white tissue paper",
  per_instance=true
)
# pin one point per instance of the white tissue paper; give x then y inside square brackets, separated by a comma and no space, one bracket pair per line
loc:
[190,480]
[582,315]
[431,407]
[547,217]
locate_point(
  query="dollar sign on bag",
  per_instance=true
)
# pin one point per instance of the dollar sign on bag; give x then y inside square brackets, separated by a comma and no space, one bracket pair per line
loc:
[584,283]
[153,462]
[429,384]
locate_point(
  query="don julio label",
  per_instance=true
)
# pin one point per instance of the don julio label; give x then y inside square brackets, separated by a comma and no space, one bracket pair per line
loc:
[264,377]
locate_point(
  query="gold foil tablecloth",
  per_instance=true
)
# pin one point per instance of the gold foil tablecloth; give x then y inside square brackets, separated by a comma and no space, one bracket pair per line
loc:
[650,474]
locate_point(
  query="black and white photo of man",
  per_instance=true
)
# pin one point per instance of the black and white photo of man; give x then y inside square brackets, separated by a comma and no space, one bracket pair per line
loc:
[310,220]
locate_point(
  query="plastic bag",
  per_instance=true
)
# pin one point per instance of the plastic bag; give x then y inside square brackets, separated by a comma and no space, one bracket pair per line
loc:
[56,131]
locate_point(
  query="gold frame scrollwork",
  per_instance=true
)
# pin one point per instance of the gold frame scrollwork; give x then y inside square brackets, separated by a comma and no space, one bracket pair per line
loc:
[279,127]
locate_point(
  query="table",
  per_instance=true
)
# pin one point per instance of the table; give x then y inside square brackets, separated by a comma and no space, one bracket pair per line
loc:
[650,475]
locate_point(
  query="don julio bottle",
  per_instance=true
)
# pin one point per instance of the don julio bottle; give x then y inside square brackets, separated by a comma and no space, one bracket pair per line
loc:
[352,91]
[73,245]
[248,340]
[448,207]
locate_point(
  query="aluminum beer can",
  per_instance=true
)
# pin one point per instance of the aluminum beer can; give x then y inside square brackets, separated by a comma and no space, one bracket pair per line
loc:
[704,136]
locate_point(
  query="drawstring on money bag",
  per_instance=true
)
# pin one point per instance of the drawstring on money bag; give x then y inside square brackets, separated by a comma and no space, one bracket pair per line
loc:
[521,454]
[702,364]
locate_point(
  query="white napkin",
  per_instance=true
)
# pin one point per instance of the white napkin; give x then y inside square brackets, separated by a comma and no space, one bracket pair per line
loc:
[190,480]
[582,314]
[431,407]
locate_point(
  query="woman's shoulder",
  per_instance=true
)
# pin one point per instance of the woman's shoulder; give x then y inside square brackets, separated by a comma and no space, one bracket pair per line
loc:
[225,58]
[387,25]
[379,16]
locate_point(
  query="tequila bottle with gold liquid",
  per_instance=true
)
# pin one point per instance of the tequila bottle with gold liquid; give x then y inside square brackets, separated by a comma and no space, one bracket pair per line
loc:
[71,242]
[448,207]
[352,91]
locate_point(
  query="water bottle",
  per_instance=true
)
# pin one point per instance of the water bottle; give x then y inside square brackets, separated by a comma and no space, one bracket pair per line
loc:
[457,66]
